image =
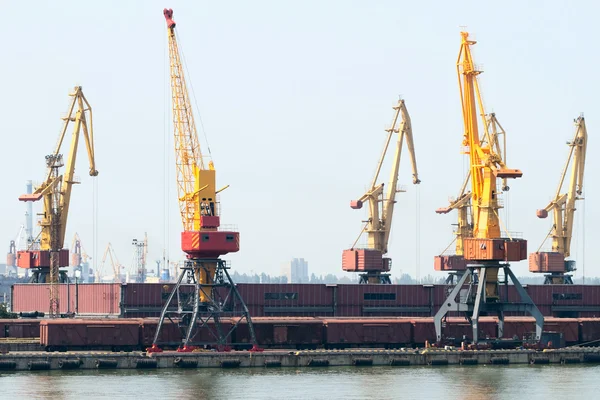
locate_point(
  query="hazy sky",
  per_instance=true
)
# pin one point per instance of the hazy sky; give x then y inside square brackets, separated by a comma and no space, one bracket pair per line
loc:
[295,97]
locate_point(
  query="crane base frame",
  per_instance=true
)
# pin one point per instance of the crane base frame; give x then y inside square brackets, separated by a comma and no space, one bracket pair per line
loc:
[475,302]
[192,315]
[549,279]
[454,277]
[42,275]
[384,279]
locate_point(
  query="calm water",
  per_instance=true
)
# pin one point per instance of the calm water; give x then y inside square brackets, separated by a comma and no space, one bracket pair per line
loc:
[480,382]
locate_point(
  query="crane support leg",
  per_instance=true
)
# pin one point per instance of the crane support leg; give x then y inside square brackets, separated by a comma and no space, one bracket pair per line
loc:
[449,305]
[531,307]
[479,299]
[209,311]
[473,302]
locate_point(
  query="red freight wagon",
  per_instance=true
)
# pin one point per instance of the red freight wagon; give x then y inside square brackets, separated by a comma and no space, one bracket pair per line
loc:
[298,332]
[19,328]
[171,335]
[518,326]
[568,326]
[367,332]
[458,328]
[423,331]
[86,334]
[589,329]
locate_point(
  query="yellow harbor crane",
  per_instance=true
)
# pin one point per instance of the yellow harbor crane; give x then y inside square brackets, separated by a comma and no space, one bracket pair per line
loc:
[56,194]
[487,251]
[371,264]
[556,262]
[462,204]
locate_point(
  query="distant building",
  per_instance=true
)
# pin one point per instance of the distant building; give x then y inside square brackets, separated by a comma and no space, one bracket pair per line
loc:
[296,270]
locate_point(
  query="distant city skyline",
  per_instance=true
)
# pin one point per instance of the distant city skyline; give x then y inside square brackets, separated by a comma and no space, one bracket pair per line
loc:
[296,270]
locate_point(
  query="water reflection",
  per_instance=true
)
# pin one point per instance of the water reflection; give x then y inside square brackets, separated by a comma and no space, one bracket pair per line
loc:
[447,382]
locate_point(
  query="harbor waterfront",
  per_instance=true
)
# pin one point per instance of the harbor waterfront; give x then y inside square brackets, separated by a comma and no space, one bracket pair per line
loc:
[280,359]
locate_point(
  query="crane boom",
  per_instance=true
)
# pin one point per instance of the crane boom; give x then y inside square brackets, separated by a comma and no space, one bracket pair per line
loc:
[192,176]
[563,208]
[381,208]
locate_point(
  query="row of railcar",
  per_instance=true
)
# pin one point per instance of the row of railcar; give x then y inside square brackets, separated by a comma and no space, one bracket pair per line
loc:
[140,300]
[125,334]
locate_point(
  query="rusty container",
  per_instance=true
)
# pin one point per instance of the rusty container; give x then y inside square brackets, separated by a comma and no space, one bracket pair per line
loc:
[40,258]
[354,260]
[364,332]
[449,263]
[87,334]
[369,298]
[515,250]
[546,262]
[484,249]
[91,298]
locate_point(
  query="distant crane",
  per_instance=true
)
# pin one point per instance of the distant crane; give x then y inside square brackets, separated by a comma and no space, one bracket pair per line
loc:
[202,239]
[556,262]
[56,192]
[114,263]
[140,255]
[487,251]
[370,261]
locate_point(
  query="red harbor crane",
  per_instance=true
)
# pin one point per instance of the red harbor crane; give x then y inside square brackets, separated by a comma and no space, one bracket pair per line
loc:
[203,240]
